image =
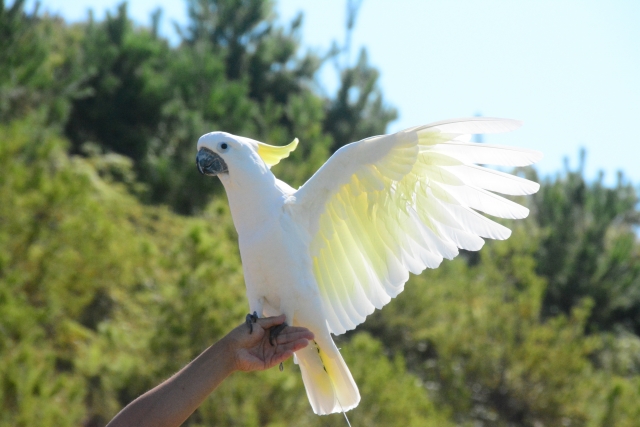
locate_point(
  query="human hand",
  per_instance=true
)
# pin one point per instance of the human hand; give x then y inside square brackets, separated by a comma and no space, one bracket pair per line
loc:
[253,351]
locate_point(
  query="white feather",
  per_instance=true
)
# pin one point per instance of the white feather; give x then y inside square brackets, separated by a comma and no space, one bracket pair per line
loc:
[447,188]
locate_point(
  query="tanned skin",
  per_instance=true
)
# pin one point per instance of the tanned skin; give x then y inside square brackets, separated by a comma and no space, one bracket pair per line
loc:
[172,402]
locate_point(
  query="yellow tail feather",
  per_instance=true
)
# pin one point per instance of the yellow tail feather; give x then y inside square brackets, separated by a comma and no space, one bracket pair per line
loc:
[329,384]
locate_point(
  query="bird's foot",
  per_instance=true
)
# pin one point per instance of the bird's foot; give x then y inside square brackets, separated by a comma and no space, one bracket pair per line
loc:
[250,320]
[275,331]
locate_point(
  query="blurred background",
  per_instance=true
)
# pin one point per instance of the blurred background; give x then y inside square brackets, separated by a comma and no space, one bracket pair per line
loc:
[119,262]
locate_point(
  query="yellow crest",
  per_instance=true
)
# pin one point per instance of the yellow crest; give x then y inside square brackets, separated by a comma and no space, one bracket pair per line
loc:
[272,155]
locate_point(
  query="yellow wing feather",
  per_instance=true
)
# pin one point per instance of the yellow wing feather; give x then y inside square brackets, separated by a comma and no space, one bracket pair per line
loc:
[389,205]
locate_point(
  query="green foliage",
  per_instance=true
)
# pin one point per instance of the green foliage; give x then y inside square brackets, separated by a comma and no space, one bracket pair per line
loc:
[124,90]
[105,290]
[474,336]
[23,53]
[39,65]
[51,220]
[589,248]
[358,110]
[101,298]
[235,70]
[125,87]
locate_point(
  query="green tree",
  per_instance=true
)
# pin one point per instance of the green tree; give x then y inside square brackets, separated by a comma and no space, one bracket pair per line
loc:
[38,60]
[125,85]
[475,338]
[358,110]
[61,251]
[589,248]
[235,70]
[102,297]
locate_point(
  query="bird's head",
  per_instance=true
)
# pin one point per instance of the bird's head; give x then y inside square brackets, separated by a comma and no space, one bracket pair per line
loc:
[224,154]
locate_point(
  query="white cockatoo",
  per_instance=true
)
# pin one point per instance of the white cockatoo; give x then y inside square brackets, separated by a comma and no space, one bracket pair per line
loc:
[343,244]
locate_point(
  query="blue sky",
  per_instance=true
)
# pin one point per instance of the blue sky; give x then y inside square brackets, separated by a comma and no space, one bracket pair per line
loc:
[569,69]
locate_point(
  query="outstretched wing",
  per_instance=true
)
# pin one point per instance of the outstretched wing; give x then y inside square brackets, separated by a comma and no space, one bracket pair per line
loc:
[389,205]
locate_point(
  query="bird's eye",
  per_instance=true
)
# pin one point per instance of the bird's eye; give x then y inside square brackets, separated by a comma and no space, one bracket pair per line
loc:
[223,147]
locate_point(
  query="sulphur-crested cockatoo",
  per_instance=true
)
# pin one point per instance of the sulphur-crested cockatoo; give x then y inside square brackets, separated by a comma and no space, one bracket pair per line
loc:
[343,244]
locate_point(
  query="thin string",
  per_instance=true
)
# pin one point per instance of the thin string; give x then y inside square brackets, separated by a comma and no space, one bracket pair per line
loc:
[343,411]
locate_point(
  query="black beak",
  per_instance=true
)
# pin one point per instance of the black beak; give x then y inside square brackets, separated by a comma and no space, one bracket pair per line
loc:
[210,163]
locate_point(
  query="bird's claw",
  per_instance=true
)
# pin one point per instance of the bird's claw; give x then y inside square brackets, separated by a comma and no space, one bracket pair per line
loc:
[250,320]
[275,331]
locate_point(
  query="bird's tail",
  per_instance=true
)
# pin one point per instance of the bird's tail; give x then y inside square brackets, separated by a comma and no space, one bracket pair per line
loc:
[329,384]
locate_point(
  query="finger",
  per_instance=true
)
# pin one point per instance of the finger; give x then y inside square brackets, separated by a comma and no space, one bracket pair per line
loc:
[284,352]
[292,346]
[268,322]
[293,334]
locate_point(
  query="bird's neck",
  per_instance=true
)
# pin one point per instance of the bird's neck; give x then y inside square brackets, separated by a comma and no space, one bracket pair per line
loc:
[253,200]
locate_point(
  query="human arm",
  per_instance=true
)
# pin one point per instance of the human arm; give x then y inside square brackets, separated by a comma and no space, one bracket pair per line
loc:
[173,401]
